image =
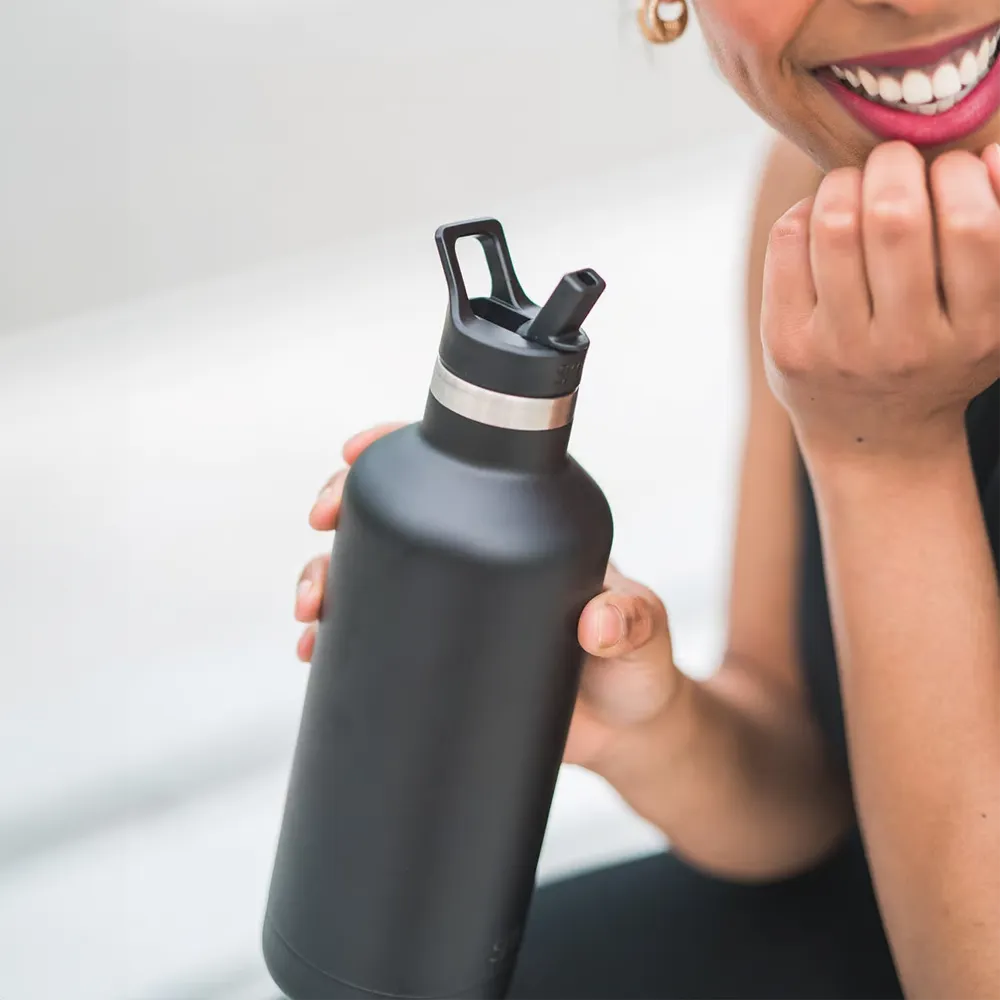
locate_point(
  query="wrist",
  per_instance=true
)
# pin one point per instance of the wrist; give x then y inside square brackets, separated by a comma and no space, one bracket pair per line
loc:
[870,469]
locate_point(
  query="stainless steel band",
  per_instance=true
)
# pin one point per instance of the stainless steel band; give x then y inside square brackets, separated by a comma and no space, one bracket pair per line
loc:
[513,413]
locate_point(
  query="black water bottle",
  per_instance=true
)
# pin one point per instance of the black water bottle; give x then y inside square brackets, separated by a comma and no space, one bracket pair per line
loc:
[446,666]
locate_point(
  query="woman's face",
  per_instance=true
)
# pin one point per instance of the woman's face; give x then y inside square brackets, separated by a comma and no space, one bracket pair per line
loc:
[838,76]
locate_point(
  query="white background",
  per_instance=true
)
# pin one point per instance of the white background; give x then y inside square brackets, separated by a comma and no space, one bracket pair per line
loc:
[216,263]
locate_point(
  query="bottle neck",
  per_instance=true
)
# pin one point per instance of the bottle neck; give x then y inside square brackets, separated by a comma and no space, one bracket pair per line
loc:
[490,428]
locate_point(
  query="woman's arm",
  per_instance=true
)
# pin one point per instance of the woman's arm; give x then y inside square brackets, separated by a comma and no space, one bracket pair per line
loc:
[735,771]
[876,364]
[917,620]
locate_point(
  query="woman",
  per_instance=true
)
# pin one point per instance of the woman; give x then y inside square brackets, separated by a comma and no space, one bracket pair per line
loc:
[864,594]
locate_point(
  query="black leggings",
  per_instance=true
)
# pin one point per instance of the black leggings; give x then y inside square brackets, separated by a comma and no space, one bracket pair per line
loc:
[656,928]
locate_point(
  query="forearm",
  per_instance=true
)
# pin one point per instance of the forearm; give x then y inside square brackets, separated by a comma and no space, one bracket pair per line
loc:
[917,622]
[736,775]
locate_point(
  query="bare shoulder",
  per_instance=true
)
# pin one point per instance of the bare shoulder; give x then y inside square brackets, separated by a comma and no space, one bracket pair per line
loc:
[765,562]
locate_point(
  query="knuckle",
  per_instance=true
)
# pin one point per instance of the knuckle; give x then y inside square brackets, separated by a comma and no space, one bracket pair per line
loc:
[788,354]
[902,360]
[894,216]
[640,622]
[837,223]
[645,616]
[968,224]
[657,611]
[906,365]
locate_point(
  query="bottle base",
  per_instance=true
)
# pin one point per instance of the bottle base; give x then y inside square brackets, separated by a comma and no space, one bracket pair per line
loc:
[299,980]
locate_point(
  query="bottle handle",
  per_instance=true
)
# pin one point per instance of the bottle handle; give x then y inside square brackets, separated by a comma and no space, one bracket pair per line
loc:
[505,286]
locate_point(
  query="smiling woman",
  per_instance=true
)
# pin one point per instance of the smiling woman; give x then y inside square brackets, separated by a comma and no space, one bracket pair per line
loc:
[854,717]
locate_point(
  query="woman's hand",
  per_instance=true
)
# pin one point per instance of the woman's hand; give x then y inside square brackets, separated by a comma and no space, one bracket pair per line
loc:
[629,676]
[881,308]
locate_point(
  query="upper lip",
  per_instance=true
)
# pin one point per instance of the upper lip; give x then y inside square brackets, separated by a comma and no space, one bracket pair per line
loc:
[924,55]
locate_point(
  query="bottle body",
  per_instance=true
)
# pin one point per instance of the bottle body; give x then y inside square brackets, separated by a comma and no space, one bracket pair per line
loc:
[442,685]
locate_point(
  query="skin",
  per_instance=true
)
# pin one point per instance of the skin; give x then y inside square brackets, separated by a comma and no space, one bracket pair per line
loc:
[873,303]
[767,49]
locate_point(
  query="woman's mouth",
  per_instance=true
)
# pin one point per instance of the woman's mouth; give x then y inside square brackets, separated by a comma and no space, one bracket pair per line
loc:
[928,96]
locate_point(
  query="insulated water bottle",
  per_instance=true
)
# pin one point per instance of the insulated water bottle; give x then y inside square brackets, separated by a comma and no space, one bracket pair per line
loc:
[447,663]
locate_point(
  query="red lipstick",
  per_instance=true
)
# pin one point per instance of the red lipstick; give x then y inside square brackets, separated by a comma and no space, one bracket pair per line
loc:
[920,124]
[925,55]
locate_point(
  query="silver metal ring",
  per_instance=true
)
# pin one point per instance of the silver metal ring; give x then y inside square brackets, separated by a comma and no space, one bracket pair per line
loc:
[513,413]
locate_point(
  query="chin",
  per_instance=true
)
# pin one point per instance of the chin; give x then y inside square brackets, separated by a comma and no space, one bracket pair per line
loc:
[832,142]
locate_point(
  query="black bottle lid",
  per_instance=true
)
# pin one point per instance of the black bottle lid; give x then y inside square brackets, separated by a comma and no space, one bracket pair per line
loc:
[504,341]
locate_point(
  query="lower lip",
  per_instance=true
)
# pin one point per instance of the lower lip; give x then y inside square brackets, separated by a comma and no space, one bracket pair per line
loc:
[966,117]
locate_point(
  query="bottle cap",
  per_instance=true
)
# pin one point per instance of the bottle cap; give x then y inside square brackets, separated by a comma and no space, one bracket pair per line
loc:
[503,341]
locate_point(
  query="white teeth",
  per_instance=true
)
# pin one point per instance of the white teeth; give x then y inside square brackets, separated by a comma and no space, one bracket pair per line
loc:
[917,88]
[928,91]
[983,55]
[946,82]
[869,82]
[890,89]
[967,71]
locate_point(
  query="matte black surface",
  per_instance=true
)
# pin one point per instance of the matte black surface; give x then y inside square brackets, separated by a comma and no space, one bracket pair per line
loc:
[488,341]
[439,697]
[659,929]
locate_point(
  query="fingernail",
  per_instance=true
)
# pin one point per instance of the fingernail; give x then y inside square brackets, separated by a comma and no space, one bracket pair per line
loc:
[303,590]
[610,626]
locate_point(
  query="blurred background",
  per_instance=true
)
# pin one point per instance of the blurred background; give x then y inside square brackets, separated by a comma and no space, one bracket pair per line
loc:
[216,263]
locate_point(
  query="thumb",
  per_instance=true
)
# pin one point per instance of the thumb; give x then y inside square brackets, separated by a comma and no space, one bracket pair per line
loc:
[625,625]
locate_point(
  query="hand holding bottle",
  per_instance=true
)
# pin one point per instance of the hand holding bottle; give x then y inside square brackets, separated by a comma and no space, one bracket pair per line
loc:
[629,676]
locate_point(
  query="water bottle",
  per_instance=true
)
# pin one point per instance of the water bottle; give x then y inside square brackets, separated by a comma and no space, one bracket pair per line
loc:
[446,667]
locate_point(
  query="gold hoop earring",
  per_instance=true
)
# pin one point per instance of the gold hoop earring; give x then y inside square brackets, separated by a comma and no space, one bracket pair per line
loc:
[660,30]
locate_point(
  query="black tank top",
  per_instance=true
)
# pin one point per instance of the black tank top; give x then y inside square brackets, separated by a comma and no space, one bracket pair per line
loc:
[818,658]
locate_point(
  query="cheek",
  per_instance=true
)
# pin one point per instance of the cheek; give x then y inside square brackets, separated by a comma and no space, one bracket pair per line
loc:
[751,41]
[748,40]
